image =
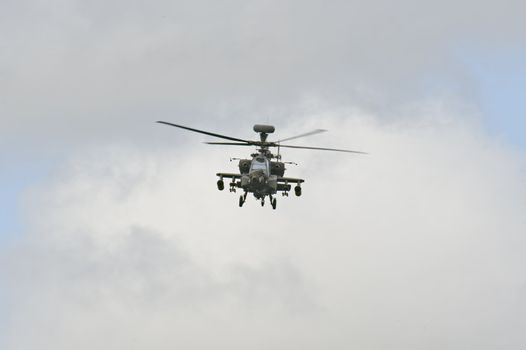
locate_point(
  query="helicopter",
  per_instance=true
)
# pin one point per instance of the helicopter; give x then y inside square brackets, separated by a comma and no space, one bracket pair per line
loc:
[261,175]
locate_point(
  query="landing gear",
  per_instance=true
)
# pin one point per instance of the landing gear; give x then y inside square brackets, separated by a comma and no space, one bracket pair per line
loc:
[273,202]
[262,201]
[242,199]
[220,185]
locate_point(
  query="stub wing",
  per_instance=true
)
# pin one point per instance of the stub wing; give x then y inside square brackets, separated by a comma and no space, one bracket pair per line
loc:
[229,175]
[279,179]
[290,180]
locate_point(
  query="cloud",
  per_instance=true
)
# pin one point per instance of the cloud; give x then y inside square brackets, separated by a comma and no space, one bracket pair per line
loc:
[418,245]
[129,246]
[76,72]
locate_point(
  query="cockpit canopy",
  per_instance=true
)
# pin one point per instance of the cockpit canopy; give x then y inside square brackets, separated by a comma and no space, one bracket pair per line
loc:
[260,163]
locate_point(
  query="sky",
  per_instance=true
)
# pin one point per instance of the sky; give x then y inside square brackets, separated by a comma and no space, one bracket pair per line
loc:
[500,78]
[113,234]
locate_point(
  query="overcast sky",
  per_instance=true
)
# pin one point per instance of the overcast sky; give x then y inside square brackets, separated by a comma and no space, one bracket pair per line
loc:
[113,235]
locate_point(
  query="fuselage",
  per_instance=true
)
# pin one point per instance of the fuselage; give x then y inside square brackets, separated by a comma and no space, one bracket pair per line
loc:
[259,179]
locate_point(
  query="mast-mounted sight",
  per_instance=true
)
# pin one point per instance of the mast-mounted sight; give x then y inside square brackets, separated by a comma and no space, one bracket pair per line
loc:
[266,129]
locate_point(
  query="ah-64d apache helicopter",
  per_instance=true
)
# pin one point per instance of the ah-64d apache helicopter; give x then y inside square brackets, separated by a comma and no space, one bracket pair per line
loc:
[261,175]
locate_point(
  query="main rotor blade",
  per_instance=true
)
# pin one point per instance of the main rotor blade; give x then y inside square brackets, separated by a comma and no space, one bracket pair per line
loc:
[323,149]
[313,132]
[203,132]
[230,143]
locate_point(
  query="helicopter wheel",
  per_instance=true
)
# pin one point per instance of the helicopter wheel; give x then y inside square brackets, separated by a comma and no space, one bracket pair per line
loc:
[241,201]
[274,203]
[262,201]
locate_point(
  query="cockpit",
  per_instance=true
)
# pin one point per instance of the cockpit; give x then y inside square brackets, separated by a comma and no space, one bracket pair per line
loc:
[260,163]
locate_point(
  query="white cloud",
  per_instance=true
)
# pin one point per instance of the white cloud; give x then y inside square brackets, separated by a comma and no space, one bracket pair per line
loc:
[418,245]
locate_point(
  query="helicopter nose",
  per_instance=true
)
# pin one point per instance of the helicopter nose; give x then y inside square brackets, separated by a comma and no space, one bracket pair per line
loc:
[257,177]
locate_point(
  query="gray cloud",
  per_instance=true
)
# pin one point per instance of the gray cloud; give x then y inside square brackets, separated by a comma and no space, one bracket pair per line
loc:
[417,246]
[74,71]
[129,246]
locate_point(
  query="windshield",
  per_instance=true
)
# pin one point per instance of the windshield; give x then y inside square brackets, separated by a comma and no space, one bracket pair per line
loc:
[259,164]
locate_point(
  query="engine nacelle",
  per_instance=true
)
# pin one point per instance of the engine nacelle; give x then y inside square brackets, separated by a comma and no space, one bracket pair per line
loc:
[277,168]
[244,166]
